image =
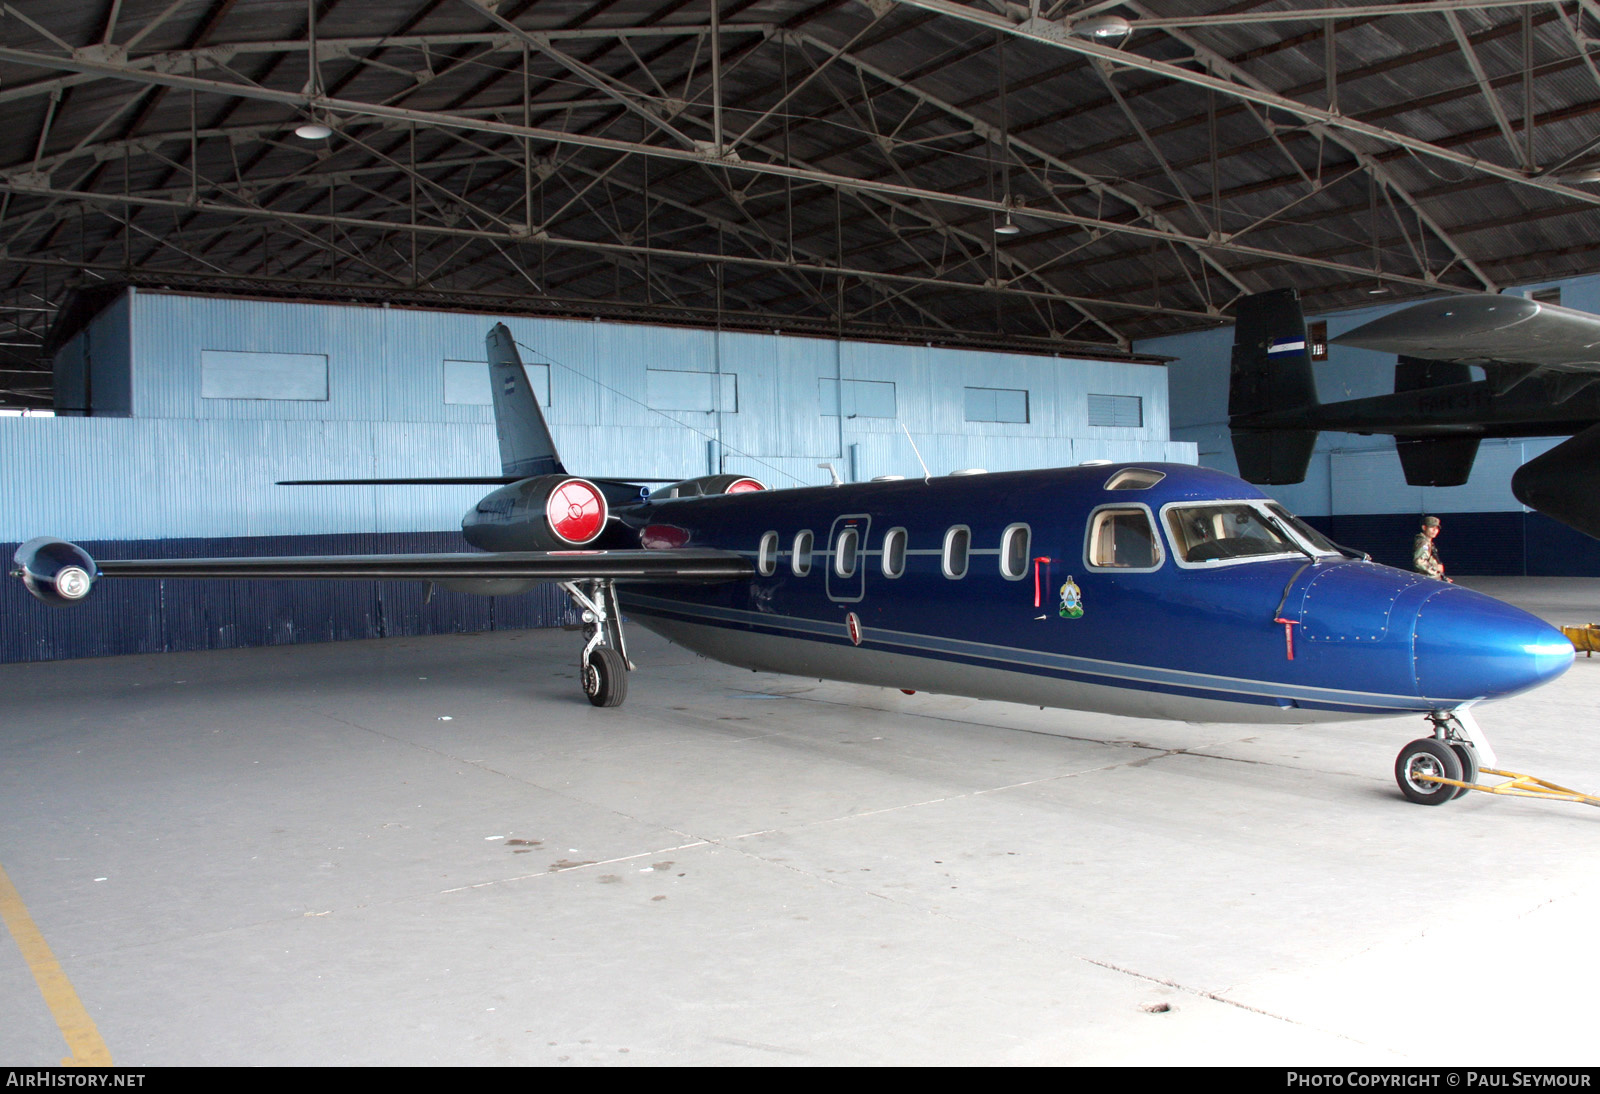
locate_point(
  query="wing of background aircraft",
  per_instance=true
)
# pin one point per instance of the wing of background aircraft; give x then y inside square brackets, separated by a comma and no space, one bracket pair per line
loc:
[1512,337]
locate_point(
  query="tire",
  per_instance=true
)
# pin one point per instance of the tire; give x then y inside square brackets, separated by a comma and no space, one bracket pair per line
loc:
[1469,766]
[1427,757]
[605,678]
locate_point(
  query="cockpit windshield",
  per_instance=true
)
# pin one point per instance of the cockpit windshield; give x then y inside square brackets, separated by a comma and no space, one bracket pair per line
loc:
[1225,531]
[1318,542]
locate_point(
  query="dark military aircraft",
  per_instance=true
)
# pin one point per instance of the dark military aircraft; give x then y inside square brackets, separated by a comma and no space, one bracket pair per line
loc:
[1153,590]
[1540,363]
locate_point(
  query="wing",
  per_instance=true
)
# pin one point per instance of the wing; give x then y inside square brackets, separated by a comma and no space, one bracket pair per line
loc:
[1483,329]
[456,480]
[58,572]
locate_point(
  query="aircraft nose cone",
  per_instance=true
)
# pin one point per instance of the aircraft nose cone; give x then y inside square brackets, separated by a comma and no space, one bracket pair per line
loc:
[1469,646]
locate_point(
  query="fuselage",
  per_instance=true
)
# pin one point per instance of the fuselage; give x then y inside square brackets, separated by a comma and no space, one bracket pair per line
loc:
[1151,590]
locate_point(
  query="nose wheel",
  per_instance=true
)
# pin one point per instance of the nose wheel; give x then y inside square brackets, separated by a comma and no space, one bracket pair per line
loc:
[1420,764]
[603,666]
[1451,753]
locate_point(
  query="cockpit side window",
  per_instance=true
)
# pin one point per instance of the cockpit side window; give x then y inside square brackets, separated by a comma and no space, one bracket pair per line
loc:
[1221,532]
[1123,539]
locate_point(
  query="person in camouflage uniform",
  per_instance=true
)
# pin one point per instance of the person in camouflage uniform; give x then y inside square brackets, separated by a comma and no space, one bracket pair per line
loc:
[1424,555]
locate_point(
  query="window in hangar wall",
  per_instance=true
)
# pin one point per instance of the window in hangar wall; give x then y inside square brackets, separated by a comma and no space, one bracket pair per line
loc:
[994,404]
[235,374]
[862,398]
[1116,410]
[672,389]
[466,383]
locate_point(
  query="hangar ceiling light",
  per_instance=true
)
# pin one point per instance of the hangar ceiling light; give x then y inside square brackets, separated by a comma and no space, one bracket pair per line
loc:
[1102,27]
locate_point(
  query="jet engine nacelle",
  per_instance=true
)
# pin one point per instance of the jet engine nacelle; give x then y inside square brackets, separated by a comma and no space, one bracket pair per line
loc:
[545,513]
[55,571]
[708,485]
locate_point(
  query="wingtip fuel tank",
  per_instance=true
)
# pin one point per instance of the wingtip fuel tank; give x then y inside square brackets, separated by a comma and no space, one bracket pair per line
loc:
[55,571]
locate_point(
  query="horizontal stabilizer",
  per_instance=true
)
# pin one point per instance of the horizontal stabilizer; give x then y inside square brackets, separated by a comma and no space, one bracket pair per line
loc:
[478,480]
[1274,457]
[1436,461]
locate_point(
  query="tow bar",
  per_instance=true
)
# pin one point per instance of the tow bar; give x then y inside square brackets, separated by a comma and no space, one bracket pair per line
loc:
[1516,785]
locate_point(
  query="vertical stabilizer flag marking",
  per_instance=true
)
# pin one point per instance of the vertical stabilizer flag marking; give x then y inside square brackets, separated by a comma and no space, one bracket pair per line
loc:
[526,447]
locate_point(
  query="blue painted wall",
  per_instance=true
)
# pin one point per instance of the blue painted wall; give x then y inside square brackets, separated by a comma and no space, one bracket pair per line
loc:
[178,473]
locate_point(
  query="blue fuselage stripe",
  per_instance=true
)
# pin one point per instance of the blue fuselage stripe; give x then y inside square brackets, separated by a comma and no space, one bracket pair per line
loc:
[1062,666]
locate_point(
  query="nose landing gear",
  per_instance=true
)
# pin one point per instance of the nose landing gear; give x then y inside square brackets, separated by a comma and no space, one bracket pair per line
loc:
[1441,768]
[1437,769]
[603,666]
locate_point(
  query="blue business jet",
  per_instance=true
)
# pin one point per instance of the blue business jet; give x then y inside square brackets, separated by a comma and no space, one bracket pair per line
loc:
[1152,590]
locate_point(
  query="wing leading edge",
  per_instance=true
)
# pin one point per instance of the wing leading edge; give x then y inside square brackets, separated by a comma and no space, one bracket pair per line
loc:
[631,566]
[1486,329]
[59,572]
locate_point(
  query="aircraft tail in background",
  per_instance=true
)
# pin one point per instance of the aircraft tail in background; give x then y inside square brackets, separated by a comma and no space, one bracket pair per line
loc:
[1271,374]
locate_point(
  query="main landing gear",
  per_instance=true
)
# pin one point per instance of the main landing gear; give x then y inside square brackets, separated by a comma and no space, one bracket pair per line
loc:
[1451,753]
[604,664]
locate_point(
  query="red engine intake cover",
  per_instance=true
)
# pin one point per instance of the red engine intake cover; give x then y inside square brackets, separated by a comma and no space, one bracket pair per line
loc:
[744,486]
[576,511]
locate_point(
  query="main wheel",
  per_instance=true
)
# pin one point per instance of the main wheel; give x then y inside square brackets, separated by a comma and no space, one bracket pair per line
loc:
[1469,765]
[1427,757]
[605,678]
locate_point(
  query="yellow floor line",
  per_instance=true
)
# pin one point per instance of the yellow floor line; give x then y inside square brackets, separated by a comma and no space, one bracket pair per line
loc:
[88,1050]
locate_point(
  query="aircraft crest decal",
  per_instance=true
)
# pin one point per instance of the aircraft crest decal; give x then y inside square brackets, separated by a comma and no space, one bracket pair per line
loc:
[1071,600]
[853,626]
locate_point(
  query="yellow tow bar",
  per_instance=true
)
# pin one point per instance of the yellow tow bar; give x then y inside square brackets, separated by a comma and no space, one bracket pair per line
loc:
[1516,785]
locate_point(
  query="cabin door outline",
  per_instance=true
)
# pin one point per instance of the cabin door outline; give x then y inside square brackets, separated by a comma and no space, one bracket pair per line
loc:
[850,589]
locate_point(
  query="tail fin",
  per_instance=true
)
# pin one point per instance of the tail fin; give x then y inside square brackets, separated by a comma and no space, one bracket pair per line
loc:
[1271,373]
[526,447]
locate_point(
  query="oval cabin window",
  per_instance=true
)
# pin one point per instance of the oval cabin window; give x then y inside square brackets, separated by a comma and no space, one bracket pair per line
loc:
[844,553]
[767,557]
[957,543]
[801,562]
[894,552]
[1014,544]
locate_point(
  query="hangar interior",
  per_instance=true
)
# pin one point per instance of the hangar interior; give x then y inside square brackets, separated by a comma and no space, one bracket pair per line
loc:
[246,240]
[197,397]
[1355,489]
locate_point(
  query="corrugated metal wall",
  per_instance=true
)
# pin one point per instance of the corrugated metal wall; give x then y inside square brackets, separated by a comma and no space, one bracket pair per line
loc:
[186,469]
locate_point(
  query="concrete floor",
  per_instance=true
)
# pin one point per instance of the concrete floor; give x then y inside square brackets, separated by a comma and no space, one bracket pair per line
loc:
[433,851]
